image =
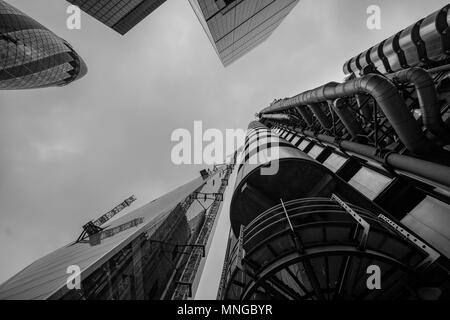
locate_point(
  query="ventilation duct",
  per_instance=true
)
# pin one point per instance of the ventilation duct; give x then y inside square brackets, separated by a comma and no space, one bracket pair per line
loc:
[428,100]
[386,96]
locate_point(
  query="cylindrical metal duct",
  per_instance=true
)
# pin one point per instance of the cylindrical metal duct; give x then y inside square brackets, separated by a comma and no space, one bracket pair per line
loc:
[363,104]
[387,98]
[428,170]
[306,115]
[347,117]
[428,100]
[279,117]
[320,115]
[435,34]
[424,42]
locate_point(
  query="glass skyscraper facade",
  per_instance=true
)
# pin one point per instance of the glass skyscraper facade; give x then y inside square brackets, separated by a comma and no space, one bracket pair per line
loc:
[120,15]
[31,56]
[155,252]
[236,27]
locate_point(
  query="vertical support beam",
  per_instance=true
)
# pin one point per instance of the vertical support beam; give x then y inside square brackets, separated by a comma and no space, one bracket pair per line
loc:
[137,269]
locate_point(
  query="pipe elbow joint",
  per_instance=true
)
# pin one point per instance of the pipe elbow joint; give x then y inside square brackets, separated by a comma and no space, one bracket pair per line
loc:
[377,86]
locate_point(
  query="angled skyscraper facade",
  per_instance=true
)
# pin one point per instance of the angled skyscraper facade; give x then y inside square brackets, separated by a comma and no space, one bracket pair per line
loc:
[31,56]
[120,15]
[236,27]
[155,252]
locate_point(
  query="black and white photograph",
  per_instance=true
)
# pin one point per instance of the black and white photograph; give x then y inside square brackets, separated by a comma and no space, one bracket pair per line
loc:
[223,155]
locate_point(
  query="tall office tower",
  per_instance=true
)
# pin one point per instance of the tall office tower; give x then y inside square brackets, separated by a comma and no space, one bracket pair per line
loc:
[154,252]
[362,187]
[31,56]
[120,15]
[235,27]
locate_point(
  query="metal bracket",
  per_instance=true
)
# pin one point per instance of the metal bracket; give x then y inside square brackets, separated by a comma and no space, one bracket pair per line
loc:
[190,246]
[363,223]
[241,251]
[180,283]
[433,255]
[207,196]
[296,238]
[176,246]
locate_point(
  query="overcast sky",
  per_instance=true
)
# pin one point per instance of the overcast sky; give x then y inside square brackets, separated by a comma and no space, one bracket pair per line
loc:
[70,154]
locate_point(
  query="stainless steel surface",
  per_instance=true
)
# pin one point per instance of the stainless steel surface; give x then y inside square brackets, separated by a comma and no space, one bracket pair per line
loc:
[434,32]
[393,53]
[387,97]
[255,190]
[424,43]
[347,117]
[408,42]
[32,56]
[428,100]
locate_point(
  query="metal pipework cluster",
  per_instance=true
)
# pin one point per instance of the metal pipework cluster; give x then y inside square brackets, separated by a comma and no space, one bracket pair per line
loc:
[389,108]
[388,99]
[426,43]
[428,100]
[387,123]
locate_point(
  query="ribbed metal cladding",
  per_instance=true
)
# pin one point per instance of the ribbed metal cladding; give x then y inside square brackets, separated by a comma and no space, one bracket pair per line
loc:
[320,249]
[424,43]
[270,168]
[31,56]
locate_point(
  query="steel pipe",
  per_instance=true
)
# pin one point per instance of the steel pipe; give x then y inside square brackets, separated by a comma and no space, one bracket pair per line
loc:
[363,104]
[320,115]
[347,117]
[424,42]
[428,100]
[280,117]
[305,114]
[429,170]
[387,97]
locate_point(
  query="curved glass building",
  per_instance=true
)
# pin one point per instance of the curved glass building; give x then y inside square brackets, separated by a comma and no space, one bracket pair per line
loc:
[31,56]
